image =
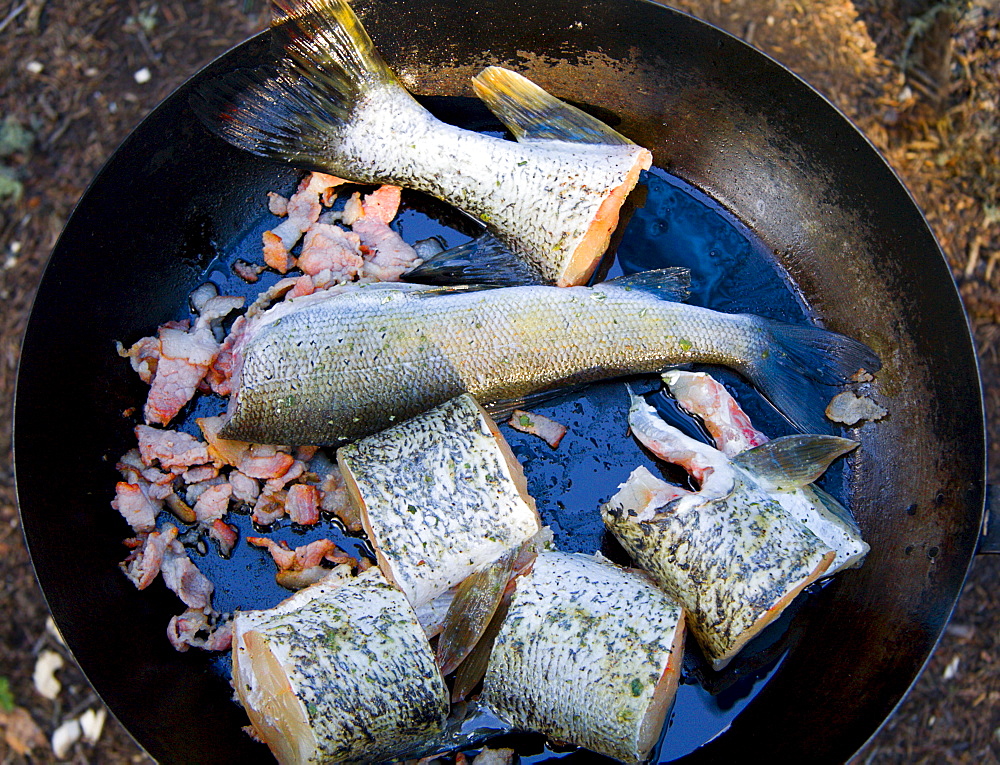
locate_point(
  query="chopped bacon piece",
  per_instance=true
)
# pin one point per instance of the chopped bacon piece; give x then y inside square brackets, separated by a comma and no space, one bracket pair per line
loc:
[183,578]
[143,565]
[171,448]
[221,451]
[383,203]
[269,507]
[185,357]
[353,209]
[389,256]
[217,308]
[248,272]
[136,508]
[323,184]
[220,373]
[199,629]
[302,504]
[335,499]
[550,431]
[277,204]
[303,210]
[225,535]
[198,474]
[143,356]
[304,285]
[245,488]
[213,503]
[302,566]
[263,461]
[296,470]
[329,248]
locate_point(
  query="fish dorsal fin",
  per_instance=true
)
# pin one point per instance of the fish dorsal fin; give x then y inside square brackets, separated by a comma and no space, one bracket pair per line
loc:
[673,284]
[533,114]
[791,462]
[483,261]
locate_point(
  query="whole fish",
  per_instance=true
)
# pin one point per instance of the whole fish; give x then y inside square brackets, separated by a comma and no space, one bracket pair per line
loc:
[330,368]
[339,673]
[589,654]
[333,104]
[729,552]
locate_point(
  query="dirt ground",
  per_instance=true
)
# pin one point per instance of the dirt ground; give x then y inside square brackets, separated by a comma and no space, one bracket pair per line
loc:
[76,76]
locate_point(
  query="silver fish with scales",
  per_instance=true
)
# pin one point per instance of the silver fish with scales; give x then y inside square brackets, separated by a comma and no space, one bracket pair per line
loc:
[331,368]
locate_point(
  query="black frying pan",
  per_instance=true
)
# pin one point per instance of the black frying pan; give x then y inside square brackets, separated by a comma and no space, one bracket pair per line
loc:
[715,113]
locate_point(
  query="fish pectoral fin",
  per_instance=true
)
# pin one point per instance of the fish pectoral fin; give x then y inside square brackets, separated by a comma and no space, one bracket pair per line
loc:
[484,261]
[502,409]
[792,462]
[671,284]
[532,114]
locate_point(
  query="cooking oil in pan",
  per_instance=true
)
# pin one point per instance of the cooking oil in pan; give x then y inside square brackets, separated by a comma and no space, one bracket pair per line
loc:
[676,225]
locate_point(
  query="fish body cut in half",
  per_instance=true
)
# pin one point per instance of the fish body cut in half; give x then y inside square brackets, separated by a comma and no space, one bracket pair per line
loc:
[339,673]
[329,368]
[332,104]
[729,552]
[589,654]
[440,496]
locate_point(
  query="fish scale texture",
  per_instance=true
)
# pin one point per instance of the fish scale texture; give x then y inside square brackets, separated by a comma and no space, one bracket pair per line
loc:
[728,560]
[539,197]
[581,652]
[347,365]
[361,665]
[439,497]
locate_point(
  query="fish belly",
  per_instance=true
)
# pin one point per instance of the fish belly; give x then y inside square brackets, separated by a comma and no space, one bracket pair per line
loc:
[440,496]
[589,654]
[339,674]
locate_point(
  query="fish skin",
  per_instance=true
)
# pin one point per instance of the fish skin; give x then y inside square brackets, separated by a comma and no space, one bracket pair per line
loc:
[334,105]
[589,654]
[337,367]
[730,553]
[359,675]
[440,496]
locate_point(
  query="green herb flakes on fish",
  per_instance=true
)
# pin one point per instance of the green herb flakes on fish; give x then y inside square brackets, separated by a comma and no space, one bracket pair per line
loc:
[329,368]
[729,552]
[332,104]
[339,674]
[440,495]
[589,654]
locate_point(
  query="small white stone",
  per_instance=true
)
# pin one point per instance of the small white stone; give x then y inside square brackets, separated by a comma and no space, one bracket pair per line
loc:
[53,630]
[92,723]
[952,669]
[35,67]
[143,76]
[44,676]
[15,247]
[64,737]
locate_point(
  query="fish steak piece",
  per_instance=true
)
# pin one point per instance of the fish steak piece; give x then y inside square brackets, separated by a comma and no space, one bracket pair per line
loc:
[785,469]
[329,368]
[332,104]
[440,496]
[589,654]
[730,553]
[339,673]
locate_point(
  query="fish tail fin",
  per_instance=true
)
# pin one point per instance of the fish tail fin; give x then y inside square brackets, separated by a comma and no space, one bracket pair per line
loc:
[289,111]
[482,261]
[532,113]
[800,368]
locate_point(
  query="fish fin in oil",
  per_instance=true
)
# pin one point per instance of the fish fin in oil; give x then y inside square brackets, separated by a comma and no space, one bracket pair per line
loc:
[672,284]
[533,114]
[835,508]
[471,610]
[792,462]
[484,261]
[502,409]
[801,367]
[287,112]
